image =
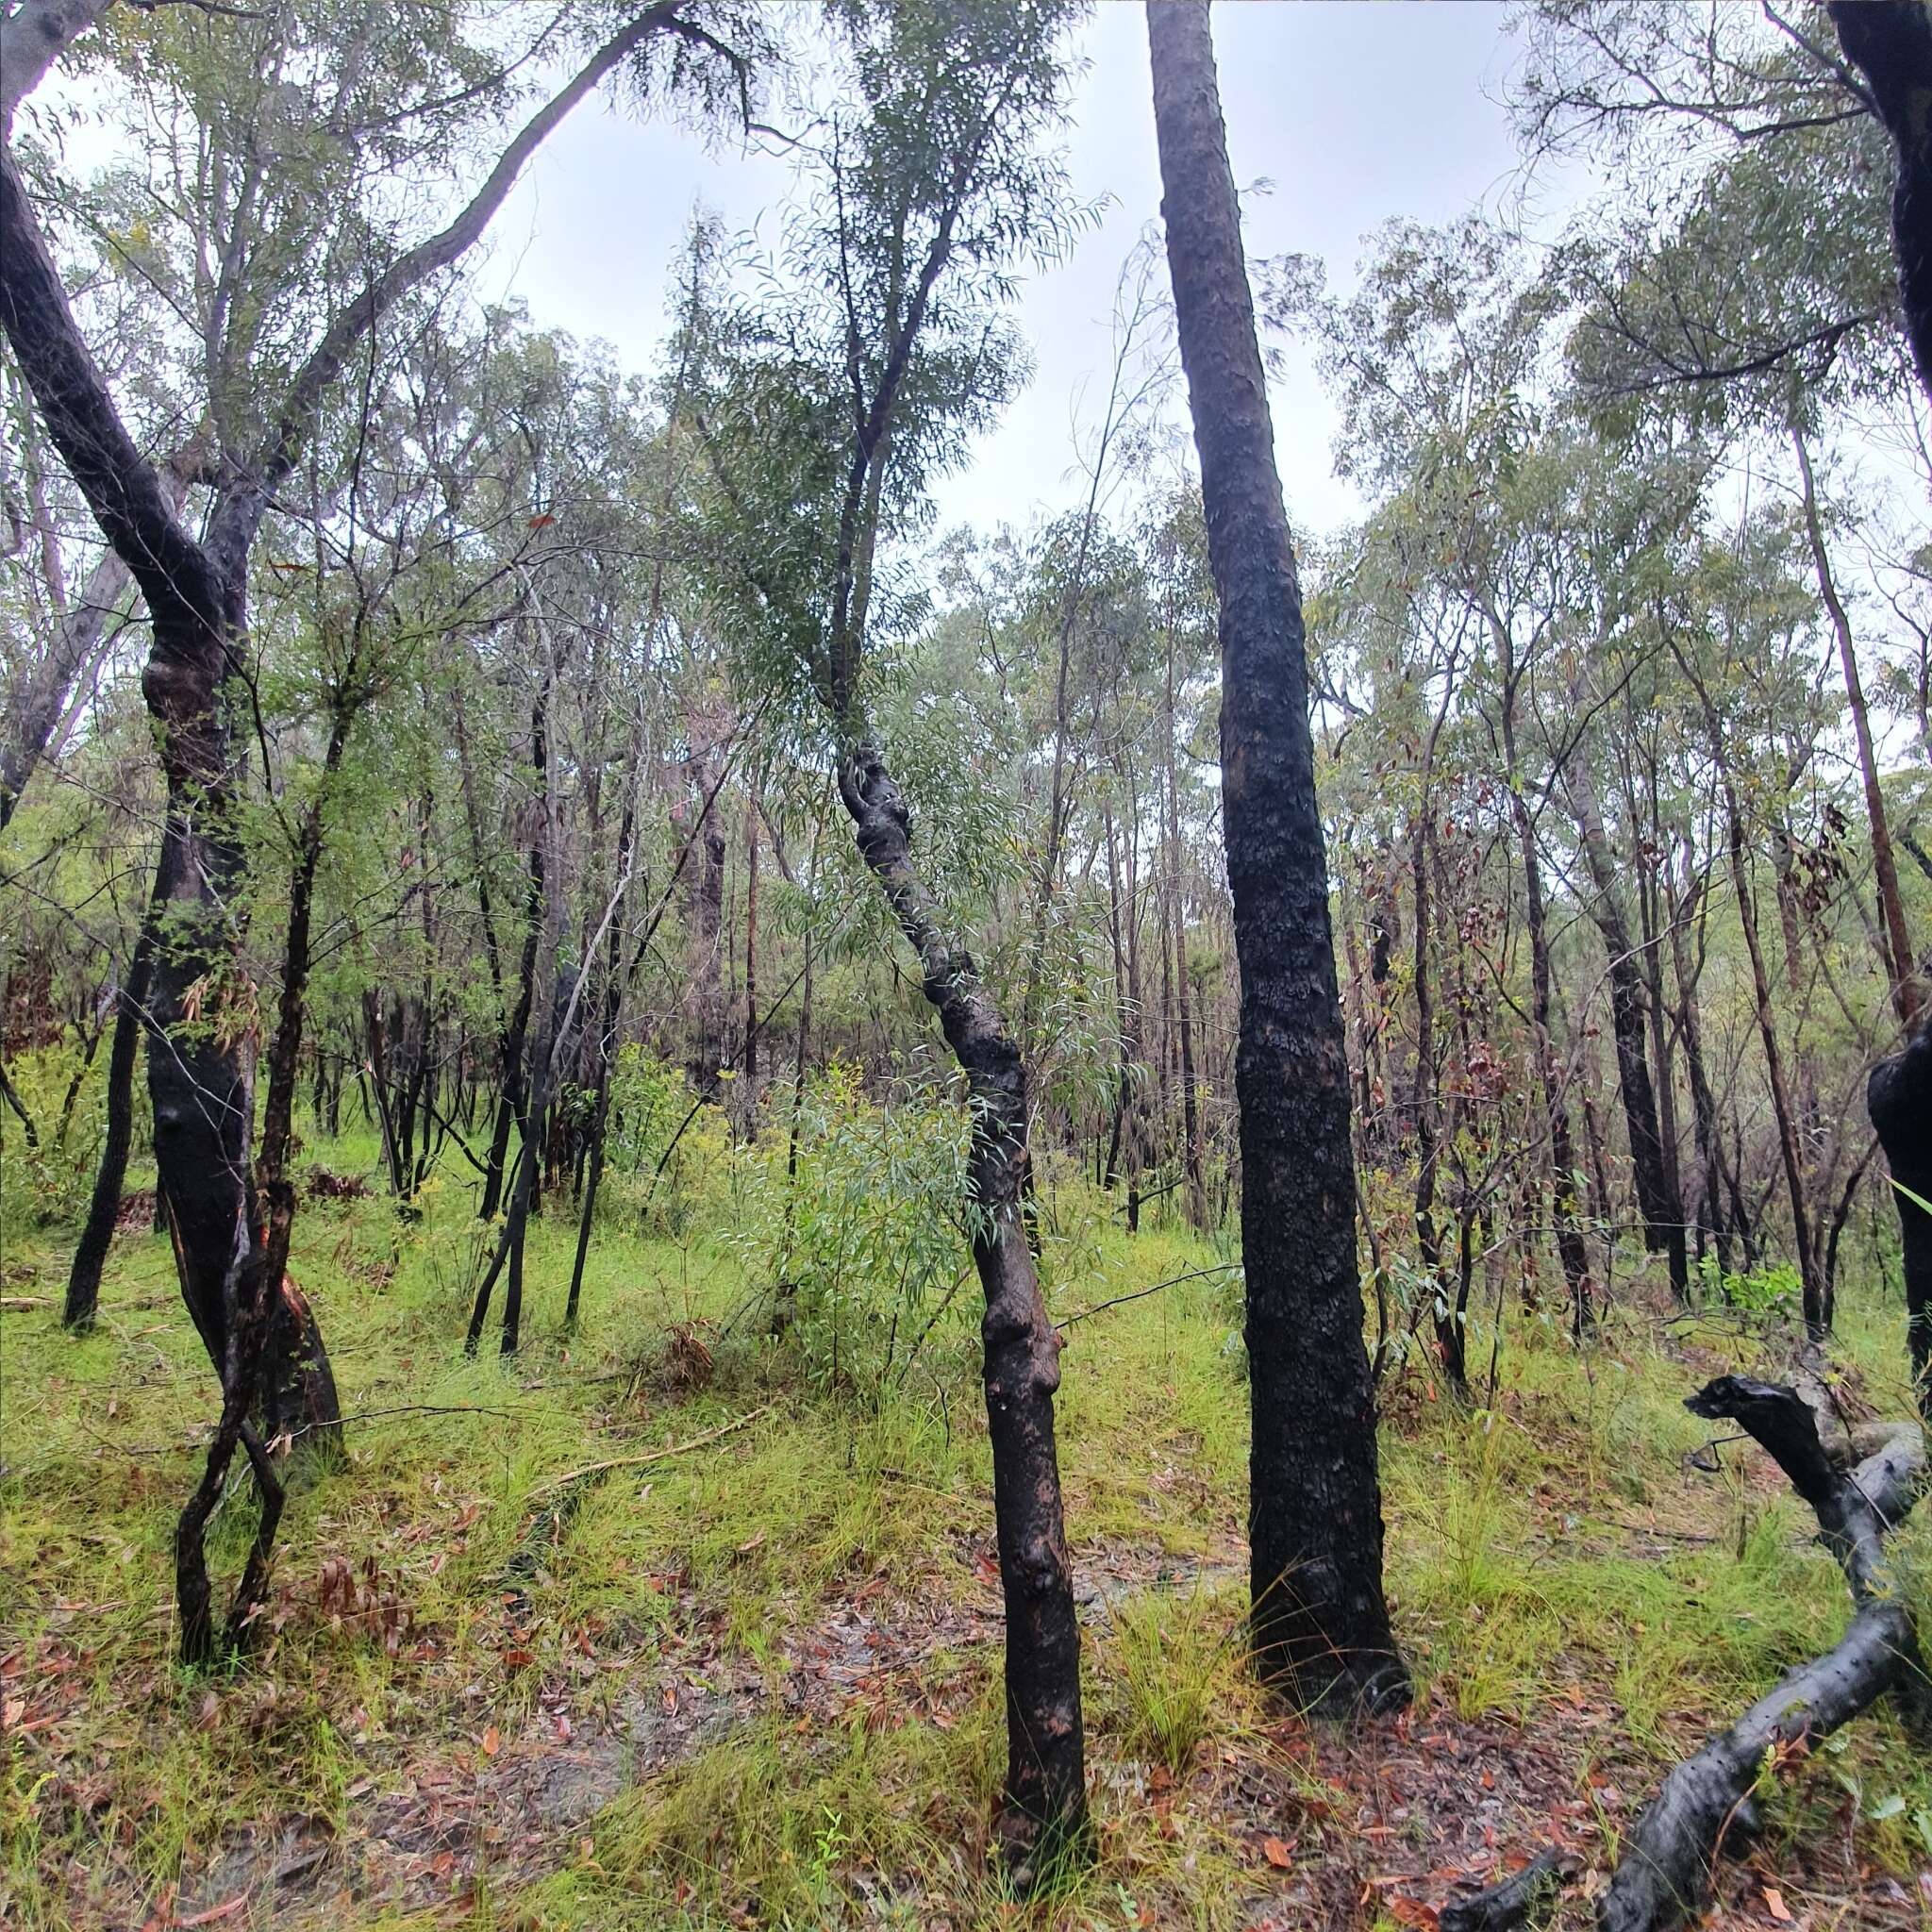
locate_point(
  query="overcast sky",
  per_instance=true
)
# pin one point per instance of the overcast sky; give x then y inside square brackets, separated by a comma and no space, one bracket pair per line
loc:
[1354,113]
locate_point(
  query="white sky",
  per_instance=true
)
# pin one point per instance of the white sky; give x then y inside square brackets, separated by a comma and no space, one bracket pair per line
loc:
[1354,112]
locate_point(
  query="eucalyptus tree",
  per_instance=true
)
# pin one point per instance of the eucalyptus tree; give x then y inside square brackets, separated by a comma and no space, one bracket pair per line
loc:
[300,170]
[1319,1618]
[824,408]
[1755,285]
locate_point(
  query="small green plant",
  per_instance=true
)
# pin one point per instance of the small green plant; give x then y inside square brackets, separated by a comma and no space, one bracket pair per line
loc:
[1771,1289]
[862,1242]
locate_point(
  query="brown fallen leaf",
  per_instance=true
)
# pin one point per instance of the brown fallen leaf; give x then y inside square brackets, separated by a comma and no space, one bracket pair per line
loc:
[1775,1904]
[1277,1854]
[214,1912]
[493,1742]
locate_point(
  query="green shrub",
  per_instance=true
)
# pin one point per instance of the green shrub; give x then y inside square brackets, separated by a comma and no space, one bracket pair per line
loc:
[669,1157]
[863,1250]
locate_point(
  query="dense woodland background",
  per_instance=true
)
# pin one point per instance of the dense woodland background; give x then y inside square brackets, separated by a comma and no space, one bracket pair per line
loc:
[515,957]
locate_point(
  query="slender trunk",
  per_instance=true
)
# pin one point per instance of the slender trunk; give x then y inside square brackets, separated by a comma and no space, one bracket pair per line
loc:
[1705,1124]
[1423,1102]
[104,1208]
[1190,1106]
[1045,1803]
[1905,993]
[1652,1168]
[1789,1150]
[748,1074]
[1319,1617]
[606,1049]
[1572,1254]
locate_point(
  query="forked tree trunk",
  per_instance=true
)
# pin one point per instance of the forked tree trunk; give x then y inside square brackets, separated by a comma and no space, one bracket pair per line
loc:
[1708,1807]
[1319,1620]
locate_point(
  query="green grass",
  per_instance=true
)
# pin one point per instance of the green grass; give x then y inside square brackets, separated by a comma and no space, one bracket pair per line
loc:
[1557,1575]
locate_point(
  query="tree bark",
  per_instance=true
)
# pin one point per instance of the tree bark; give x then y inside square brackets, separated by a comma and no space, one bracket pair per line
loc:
[1905,993]
[1892,46]
[1044,1808]
[1898,1096]
[1319,1620]
[1652,1165]
[103,1207]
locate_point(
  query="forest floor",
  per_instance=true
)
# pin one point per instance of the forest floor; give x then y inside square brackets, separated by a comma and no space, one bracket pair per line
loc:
[755,1678]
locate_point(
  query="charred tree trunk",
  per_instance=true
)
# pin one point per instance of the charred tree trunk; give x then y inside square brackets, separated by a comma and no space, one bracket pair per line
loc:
[1320,1620]
[1892,46]
[1044,1809]
[104,1208]
[1664,1879]
[1652,1165]
[606,1048]
[1899,1099]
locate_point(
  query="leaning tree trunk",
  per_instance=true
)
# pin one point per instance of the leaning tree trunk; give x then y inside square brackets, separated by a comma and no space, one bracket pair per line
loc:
[1707,1808]
[1319,1620]
[1043,1813]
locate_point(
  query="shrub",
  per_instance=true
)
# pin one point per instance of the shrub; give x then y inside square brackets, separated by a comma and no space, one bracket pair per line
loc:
[863,1250]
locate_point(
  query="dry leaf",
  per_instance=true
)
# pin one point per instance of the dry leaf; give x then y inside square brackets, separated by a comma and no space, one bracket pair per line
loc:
[1774,1904]
[493,1742]
[1277,1854]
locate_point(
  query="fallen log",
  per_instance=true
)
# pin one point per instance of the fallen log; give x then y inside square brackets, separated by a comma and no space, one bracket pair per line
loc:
[1706,1807]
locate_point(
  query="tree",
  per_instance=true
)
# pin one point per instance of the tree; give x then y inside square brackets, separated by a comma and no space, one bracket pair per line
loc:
[1321,1623]
[822,416]
[258,1331]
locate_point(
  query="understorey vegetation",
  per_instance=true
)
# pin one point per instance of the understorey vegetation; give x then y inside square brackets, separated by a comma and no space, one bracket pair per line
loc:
[726,1203]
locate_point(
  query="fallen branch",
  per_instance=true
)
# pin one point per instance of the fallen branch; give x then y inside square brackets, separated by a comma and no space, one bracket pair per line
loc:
[1525,1898]
[590,1469]
[1706,1807]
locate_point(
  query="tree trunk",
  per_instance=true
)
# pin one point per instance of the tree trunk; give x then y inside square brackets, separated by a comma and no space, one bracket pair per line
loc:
[1571,1253]
[1898,946]
[606,1048]
[104,1208]
[1319,1620]
[1898,1096]
[1044,1808]
[1892,46]
[1653,1166]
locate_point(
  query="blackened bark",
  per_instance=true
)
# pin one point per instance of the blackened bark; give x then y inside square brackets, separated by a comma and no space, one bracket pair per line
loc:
[1652,1165]
[606,1049]
[1898,1096]
[1319,1620]
[1571,1253]
[104,1208]
[1891,44]
[1664,1877]
[1044,1811]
